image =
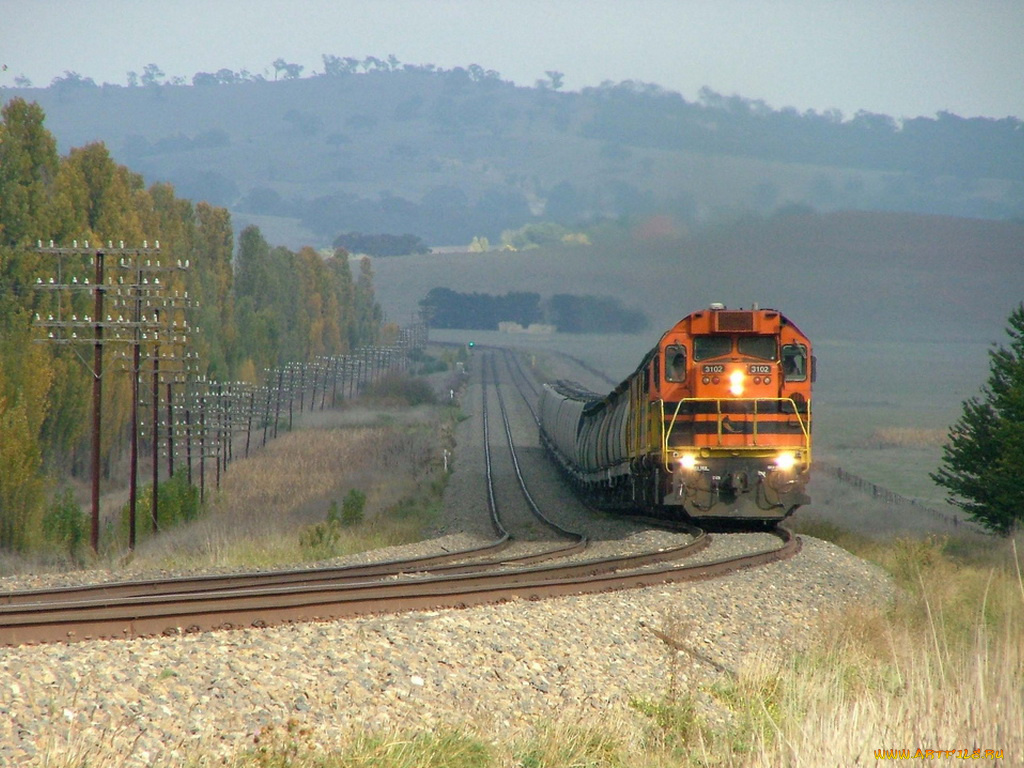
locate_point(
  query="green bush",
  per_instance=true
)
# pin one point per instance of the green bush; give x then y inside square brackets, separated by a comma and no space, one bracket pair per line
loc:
[404,390]
[320,541]
[65,525]
[177,503]
[323,540]
[352,508]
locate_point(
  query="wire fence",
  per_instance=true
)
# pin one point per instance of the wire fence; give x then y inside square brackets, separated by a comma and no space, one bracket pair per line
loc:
[885,495]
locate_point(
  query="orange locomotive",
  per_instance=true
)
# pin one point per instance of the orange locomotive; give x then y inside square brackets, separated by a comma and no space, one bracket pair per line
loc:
[714,423]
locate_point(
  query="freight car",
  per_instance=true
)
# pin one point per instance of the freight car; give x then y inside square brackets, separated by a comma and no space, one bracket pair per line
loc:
[715,422]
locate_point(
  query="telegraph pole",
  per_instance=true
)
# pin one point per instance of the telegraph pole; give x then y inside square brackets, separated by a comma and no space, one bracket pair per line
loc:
[151,311]
[87,330]
[103,329]
[97,400]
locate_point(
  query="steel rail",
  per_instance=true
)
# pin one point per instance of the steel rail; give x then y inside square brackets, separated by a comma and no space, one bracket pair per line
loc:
[174,614]
[580,540]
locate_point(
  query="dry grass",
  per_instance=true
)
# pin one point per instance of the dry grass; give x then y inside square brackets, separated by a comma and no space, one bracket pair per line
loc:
[265,502]
[943,668]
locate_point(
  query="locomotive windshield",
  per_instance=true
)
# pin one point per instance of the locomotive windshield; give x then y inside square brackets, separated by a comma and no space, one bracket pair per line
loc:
[705,347]
[763,347]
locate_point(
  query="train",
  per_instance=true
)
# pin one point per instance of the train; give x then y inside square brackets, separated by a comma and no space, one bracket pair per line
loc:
[714,423]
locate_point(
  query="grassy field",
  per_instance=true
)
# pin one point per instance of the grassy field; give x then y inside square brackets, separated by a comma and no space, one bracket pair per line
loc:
[379,459]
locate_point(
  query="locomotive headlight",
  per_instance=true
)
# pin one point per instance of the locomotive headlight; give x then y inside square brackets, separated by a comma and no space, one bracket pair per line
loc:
[736,383]
[688,462]
[785,461]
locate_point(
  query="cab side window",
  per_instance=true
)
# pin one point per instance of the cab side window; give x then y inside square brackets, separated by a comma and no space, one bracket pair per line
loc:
[794,362]
[675,363]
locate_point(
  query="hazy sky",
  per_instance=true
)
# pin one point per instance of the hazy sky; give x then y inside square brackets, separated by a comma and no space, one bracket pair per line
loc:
[899,57]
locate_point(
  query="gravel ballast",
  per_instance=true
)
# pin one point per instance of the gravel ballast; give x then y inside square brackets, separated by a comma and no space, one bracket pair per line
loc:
[495,668]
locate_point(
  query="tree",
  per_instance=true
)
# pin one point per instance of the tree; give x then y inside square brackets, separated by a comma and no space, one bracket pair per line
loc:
[368,313]
[28,170]
[291,71]
[151,75]
[335,66]
[983,460]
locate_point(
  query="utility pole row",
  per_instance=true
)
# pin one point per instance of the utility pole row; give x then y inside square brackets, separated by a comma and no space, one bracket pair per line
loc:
[140,312]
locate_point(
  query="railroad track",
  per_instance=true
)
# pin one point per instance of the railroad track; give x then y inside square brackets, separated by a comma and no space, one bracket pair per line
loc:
[454,579]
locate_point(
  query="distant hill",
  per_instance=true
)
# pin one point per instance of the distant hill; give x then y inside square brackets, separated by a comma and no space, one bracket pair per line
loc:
[449,155]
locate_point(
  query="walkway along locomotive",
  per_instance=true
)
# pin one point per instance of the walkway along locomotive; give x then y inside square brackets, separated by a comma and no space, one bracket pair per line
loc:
[715,422]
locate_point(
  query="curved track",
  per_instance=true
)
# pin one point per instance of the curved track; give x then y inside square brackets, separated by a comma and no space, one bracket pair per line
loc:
[456,579]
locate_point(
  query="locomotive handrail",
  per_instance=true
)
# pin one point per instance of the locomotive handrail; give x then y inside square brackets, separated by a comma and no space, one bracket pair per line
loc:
[718,410]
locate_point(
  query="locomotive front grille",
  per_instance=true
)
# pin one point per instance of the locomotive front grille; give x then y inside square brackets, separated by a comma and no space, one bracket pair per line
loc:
[734,320]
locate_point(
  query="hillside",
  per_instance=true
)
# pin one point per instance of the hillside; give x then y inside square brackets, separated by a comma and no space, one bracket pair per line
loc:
[447,155]
[846,275]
